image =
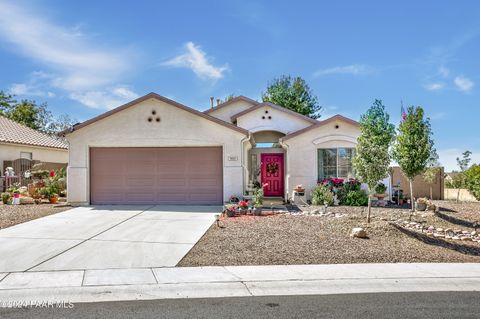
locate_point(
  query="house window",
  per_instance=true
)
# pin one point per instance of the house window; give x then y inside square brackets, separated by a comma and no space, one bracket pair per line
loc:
[26,155]
[335,162]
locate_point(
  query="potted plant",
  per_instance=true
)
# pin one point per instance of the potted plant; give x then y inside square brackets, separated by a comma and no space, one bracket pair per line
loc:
[400,198]
[231,210]
[380,190]
[258,201]
[243,207]
[6,198]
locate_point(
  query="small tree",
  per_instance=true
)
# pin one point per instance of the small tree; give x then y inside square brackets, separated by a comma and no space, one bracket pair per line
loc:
[459,181]
[414,147]
[372,158]
[430,175]
[293,94]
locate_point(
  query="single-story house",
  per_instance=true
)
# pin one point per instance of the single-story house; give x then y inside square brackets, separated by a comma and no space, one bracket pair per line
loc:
[157,151]
[18,141]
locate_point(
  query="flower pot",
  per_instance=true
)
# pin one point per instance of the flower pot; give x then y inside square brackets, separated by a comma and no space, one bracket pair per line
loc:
[53,200]
[257,211]
[380,196]
[230,213]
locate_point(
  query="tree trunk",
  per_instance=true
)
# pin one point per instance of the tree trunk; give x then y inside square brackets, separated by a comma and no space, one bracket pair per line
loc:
[369,207]
[412,200]
[431,193]
[458,194]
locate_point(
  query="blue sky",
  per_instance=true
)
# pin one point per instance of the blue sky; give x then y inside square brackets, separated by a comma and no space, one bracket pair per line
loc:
[84,57]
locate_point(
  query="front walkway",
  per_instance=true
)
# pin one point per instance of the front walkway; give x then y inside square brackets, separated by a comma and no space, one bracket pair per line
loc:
[208,282]
[104,237]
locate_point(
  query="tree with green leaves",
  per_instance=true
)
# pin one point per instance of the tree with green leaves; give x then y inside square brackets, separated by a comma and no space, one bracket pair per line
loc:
[464,162]
[293,93]
[414,147]
[34,115]
[372,157]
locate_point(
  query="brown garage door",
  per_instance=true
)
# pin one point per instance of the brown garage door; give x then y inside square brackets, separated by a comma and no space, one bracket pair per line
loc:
[182,176]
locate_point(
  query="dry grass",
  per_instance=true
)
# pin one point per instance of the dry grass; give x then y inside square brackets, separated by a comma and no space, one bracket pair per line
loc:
[287,239]
[16,214]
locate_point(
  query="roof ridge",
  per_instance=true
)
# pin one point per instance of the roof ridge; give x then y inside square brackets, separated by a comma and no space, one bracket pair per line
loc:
[277,107]
[153,95]
[226,103]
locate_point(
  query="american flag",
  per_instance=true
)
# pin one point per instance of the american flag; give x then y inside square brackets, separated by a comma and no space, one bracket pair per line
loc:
[403,112]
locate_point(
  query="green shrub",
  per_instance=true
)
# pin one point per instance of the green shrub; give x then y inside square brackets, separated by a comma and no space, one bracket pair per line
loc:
[322,195]
[6,198]
[380,188]
[356,198]
[472,180]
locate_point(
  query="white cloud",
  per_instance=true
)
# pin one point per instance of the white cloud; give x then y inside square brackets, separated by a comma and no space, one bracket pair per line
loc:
[109,98]
[354,69]
[75,64]
[463,84]
[25,89]
[435,86]
[197,60]
[448,158]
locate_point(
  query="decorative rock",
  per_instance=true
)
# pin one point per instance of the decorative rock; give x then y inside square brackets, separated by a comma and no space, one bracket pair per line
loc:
[466,239]
[465,232]
[448,230]
[358,232]
[440,229]
[457,231]
[431,228]
[473,233]
[448,237]
[438,235]
[456,238]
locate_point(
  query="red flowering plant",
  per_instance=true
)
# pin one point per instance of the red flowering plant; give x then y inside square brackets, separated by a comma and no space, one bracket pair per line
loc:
[243,204]
[332,183]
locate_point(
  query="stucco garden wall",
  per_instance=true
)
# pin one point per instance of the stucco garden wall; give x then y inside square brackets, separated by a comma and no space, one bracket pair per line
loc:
[130,128]
[10,152]
[302,165]
[280,121]
[463,195]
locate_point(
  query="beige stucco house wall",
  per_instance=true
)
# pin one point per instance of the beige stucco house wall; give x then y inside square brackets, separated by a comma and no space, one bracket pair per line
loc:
[177,128]
[302,164]
[10,152]
[280,121]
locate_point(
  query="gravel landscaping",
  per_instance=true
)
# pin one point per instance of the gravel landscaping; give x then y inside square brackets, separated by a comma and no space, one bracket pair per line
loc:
[315,239]
[16,214]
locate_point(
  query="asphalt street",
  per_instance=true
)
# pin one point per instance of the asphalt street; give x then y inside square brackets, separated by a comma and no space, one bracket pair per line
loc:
[383,305]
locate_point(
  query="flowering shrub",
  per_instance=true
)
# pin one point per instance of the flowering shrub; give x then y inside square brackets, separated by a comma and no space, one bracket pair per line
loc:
[243,204]
[332,182]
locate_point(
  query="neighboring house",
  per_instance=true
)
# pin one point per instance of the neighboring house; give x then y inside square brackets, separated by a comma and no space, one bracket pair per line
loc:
[18,141]
[156,151]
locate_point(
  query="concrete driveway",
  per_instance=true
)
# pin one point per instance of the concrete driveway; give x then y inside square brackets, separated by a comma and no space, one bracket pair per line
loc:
[105,237]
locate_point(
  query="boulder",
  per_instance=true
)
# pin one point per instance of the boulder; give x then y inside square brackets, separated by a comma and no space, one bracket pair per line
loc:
[358,232]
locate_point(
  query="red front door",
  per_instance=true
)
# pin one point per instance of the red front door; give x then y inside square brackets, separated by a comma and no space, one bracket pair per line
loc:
[272,174]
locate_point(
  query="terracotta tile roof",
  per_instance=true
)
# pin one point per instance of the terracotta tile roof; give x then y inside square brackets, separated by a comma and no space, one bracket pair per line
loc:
[15,133]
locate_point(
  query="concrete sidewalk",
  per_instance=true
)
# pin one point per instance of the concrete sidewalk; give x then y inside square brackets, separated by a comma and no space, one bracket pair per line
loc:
[203,282]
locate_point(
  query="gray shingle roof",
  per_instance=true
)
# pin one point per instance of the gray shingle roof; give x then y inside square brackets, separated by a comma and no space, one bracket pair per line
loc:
[15,133]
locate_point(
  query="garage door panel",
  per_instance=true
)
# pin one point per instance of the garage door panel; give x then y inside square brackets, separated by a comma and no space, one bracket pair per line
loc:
[156,175]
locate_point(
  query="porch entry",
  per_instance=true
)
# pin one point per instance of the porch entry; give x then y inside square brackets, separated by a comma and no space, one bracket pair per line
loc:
[272,169]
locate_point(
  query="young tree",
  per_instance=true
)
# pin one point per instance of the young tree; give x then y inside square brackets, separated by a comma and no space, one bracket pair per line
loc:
[372,158]
[460,181]
[293,94]
[414,148]
[464,162]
